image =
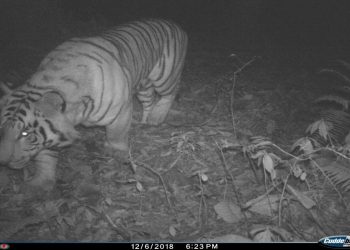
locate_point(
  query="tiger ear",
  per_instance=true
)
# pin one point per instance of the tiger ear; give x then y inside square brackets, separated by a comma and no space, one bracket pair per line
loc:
[51,103]
[3,101]
[5,88]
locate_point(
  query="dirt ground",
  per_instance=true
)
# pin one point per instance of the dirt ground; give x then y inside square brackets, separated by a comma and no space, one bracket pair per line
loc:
[188,179]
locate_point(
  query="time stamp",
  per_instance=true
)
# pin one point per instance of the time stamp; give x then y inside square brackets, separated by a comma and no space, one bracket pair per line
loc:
[174,246]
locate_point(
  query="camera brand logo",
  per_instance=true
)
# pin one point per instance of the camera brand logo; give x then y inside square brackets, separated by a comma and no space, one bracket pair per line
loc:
[336,241]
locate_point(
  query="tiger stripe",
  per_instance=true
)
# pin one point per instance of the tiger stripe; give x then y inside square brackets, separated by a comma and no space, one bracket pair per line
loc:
[91,81]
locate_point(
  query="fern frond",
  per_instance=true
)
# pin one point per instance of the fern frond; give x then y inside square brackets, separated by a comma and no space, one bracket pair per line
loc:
[339,174]
[333,126]
[336,117]
[344,63]
[336,73]
[344,102]
[346,89]
[340,121]
[320,127]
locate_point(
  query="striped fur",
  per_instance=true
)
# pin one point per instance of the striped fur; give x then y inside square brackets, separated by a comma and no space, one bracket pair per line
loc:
[90,81]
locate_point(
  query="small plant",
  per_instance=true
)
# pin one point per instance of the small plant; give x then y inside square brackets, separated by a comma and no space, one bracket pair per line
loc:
[334,124]
[327,144]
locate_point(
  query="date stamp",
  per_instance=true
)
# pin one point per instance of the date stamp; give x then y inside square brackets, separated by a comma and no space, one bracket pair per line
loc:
[152,246]
[174,246]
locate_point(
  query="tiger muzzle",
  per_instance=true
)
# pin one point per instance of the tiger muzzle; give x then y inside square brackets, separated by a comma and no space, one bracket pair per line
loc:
[4,156]
[6,159]
[6,150]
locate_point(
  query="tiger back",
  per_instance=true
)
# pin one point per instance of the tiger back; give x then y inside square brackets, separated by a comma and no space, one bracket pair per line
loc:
[91,81]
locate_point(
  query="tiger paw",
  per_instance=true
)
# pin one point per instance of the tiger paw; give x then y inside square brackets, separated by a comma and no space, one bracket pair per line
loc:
[39,192]
[42,184]
[156,117]
[160,111]
[120,155]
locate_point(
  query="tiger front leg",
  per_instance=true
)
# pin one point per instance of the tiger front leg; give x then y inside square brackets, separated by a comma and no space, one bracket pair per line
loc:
[117,134]
[45,170]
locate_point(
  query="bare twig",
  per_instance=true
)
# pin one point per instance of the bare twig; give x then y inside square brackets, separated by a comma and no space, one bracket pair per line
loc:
[280,202]
[173,164]
[250,203]
[202,201]
[234,80]
[144,165]
[235,190]
[118,228]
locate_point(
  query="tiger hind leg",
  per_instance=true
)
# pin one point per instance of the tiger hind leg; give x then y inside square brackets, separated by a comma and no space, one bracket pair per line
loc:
[155,108]
[167,92]
[160,110]
[166,85]
[117,134]
[147,98]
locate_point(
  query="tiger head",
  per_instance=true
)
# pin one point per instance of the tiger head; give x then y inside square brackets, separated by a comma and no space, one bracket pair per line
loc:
[30,122]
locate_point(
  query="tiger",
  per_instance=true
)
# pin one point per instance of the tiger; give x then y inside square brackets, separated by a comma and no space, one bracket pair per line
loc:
[91,81]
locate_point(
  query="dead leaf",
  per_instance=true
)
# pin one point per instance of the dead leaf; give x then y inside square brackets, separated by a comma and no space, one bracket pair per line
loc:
[265,205]
[233,238]
[164,154]
[269,166]
[225,133]
[204,177]
[139,187]
[264,236]
[89,216]
[228,211]
[303,199]
[303,176]
[172,231]
[108,201]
